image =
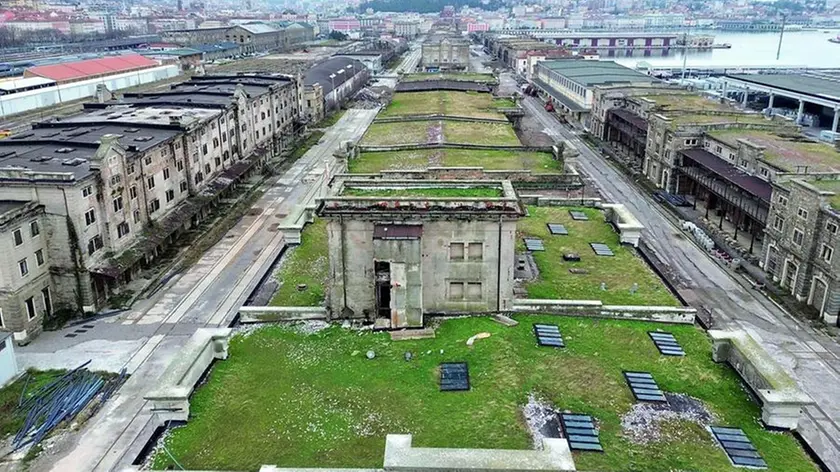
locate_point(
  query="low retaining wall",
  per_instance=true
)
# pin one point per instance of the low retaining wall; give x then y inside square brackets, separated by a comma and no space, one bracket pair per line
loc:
[596,309]
[401,456]
[171,399]
[406,118]
[292,226]
[521,179]
[781,399]
[267,314]
[485,147]
[629,228]
[540,200]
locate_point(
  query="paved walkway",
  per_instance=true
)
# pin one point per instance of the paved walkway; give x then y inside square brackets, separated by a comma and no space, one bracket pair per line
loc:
[810,356]
[145,339]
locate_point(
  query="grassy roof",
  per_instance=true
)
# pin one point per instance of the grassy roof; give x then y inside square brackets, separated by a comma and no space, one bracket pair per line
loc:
[829,186]
[786,151]
[434,192]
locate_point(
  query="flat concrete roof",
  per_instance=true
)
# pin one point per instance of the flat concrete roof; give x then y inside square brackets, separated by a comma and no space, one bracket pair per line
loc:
[590,73]
[807,84]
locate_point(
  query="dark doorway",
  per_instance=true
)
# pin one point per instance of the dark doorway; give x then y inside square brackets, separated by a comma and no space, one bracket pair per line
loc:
[383,289]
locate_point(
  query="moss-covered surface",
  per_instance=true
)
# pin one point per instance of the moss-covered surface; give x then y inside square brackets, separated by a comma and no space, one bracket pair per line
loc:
[306,264]
[461,76]
[386,134]
[442,192]
[492,134]
[443,102]
[786,148]
[418,159]
[297,400]
[618,272]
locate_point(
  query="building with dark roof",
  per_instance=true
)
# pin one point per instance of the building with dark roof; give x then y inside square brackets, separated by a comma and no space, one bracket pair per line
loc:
[570,83]
[331,83]
[121,181]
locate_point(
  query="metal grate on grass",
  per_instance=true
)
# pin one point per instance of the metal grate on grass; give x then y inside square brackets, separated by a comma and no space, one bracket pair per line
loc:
[738,447]
[454,376]
[578,215]
[643,386]
[666,343]
[601,249]
[556,228]
[548,335]
[580,431]
[533,244]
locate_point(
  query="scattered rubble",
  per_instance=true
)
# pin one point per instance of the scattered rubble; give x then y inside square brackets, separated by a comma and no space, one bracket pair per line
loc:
[543,420]
[641,424]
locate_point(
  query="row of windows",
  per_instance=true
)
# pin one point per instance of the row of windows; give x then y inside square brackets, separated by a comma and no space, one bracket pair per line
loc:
[31,310]
[34,231]
[23,264]
[466,251]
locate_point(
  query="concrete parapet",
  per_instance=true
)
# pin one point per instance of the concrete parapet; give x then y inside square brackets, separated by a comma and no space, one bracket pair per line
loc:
[596,309]
[781,399]
[170,400]
[541,200]
[629,228]
[401,456]
[267,314]
[437,116]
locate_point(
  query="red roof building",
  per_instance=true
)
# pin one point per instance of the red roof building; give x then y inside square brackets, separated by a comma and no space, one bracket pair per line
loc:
[92,68]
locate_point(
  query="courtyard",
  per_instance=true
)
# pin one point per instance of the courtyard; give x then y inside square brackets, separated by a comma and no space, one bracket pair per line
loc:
[440,131]
[559,279]
[445,102]
[308,396]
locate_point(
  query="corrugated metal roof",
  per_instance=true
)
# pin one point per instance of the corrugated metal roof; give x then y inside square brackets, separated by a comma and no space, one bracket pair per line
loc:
[92,67]
[18,84]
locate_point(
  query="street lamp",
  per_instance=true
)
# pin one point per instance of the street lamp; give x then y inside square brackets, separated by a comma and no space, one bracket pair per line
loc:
[332,79]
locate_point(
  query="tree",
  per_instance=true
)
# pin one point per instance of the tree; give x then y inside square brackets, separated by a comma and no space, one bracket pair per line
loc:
[338,35]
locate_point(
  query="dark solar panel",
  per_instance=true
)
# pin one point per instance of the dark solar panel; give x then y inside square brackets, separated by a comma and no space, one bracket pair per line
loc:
[578,215]
[666,343]
[580,431]
[548,335]
[738,447]
[533,244]
[555,228]
[601,249]
[643,386]
[454,376]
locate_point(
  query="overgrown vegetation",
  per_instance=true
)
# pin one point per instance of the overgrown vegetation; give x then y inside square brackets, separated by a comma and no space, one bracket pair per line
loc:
[12,419]
[332,119]
[491,134]
[443,192]
[417,159]
[618,272]
[444,102]
[299,400]
[304,265]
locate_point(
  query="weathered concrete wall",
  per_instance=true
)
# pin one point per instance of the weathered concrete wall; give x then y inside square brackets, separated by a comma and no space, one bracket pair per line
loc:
[353,251]
[170,400]
[268,314]
[781,399]
[629,228]
[400,456]
[596,309]
[521,179]
[438,116]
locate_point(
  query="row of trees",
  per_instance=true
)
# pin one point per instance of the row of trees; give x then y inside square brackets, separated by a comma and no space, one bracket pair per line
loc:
[11,37]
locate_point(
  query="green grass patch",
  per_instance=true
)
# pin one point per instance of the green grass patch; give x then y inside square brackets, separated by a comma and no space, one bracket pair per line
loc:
[332,119]
[492,134]
[619,272]
[504,103]
[443,192]
[444,102]
[384,134]
[418,159]
[296,400]
[307,144]
[305,264]
[12,419]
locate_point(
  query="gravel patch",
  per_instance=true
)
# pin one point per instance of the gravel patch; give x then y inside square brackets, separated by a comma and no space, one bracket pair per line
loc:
[641,424]
[543,420]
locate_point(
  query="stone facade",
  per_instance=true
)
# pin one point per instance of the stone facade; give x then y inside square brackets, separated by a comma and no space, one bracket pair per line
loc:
[802,239]
[394,260]
[26,288]
[143,171]
[445,53]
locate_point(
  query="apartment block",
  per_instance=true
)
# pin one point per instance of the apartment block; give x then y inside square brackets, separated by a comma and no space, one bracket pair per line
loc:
[111,188]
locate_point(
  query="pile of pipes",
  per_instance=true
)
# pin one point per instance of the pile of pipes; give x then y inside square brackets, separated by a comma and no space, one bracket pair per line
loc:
[61,400]
[700,236]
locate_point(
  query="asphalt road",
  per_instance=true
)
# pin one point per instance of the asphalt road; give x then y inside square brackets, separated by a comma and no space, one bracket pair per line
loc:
[810,356]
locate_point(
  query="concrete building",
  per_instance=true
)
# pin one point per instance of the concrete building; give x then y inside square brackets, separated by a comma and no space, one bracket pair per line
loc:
[196,36]
[570,84]
[394,260]
[406,28]
[118,184]
[802,239]
[445,52]
[521,54]
[339,78]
